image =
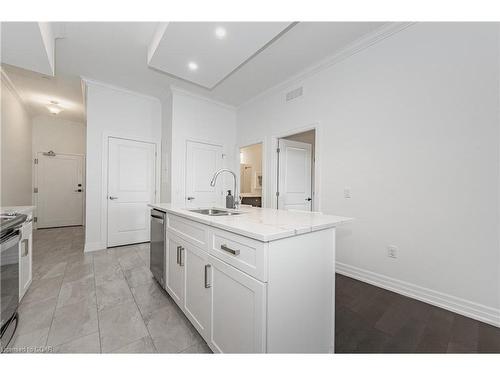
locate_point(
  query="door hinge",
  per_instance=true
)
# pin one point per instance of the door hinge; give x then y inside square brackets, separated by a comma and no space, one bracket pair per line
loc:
[278,150]
[35,219]
[35,190]
[277,193]
[36,161]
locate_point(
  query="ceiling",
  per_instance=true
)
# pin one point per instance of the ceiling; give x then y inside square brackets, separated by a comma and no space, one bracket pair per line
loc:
[117,53]
[38,90]
[206,52]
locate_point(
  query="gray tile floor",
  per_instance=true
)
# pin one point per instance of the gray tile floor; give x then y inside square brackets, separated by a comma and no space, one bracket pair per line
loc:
[100,302]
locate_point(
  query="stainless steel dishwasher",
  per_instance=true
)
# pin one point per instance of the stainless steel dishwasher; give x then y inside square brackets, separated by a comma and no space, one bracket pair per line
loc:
[157,248]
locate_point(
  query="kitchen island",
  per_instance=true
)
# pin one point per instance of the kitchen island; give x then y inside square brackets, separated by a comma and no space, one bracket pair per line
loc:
[256,281]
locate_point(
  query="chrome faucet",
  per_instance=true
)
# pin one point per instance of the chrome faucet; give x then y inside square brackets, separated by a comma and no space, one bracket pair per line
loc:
[235,192]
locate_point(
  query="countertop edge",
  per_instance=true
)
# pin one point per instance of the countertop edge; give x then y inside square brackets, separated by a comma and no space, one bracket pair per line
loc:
[262,238]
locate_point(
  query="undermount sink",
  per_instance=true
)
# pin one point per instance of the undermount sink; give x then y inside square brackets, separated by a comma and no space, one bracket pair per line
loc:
[215,212]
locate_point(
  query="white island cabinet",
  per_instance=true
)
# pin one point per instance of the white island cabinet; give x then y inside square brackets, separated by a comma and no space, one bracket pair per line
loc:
[258,282]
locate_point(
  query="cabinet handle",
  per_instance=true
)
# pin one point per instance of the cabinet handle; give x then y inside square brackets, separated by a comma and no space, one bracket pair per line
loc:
[181,263]
[178,252]
[25,247]
[207,285]
[229,250]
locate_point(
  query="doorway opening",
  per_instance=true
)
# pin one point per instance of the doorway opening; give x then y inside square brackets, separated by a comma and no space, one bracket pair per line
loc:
[251,179]
[296,171]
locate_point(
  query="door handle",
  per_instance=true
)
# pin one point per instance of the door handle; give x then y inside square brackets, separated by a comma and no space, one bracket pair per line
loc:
[190,198]
[181,263]
[207,285]
[113,198]
[178,252]
[79,191]
[308,199]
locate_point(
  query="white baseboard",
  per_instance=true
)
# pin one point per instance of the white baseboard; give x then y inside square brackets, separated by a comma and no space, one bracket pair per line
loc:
[460,306]
[94,246]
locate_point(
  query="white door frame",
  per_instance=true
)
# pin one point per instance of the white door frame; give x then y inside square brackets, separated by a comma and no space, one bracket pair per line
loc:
[34,196]
[316,196]
[263,142]
[104,175]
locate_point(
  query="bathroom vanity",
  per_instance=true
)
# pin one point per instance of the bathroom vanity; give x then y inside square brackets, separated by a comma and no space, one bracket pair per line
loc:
[255,281]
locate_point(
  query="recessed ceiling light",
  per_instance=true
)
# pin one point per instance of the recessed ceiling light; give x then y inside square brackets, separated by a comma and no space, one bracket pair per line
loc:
[220,32]
[192,66]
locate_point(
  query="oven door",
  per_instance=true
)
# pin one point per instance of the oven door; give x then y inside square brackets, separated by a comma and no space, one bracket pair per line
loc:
[9,283]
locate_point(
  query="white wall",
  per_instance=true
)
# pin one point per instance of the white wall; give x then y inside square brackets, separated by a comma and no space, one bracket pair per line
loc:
[166,148]
[59,135]
[116,112]
[199,119]
[411,125]
[16,162]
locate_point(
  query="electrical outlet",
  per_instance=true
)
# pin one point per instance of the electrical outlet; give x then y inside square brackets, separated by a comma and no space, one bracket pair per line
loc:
[347,192]
[392,251]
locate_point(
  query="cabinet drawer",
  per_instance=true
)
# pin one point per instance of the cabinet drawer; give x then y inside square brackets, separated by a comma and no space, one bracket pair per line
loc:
[188,230]
[245,254]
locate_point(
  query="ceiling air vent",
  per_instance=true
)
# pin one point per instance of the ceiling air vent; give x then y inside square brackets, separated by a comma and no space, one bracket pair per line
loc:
[294,94]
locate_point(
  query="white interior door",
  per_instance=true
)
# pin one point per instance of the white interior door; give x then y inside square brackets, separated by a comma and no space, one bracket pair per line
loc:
[294,175]
[59,180]
[131,187]
[202,161]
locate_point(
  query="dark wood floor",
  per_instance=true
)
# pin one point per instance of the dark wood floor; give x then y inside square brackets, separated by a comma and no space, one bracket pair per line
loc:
[373,320]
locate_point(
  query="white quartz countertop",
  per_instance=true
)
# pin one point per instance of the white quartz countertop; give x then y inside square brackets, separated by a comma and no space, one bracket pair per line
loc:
[263,224]
[17,209]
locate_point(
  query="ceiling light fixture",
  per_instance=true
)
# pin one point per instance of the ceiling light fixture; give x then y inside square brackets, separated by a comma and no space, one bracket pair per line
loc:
[220,32]
[54,107]
[192,66]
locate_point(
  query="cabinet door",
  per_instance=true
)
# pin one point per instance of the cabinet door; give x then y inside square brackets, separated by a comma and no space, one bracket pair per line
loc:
[25,260]
[197,294]
[175,270]
[238,310]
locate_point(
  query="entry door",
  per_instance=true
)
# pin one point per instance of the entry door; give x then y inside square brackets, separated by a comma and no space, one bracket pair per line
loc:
[131,187]
[60,190]
[202,161]
[294,175]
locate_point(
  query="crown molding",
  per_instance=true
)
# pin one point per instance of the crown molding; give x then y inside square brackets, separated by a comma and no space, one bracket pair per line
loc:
[383,32]
[92,82]
[181,91]
[6,79]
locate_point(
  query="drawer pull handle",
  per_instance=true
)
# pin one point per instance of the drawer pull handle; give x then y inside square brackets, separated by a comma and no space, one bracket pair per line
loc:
[229,250]
[207,285]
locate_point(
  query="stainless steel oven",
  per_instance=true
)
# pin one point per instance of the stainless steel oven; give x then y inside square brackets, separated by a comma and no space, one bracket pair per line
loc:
[157,248]
[10,236]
